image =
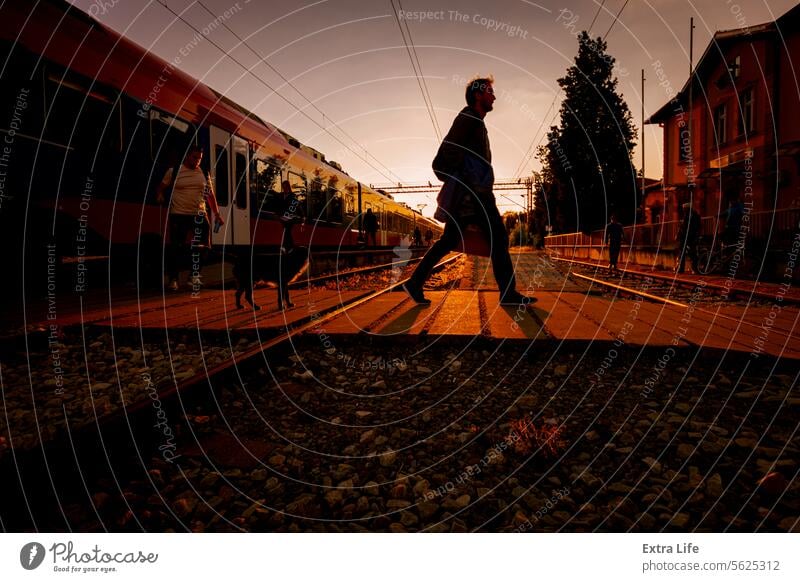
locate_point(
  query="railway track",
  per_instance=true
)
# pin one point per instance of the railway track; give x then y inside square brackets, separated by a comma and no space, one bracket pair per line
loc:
[680,289]
[38,336]
[358,437]
[691,297]
[148,422]
[310,281]
[242,357]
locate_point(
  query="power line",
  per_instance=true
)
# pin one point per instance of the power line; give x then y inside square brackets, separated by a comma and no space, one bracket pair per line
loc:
[268,86]
[417,73]
[288,82]
[422,76]
[596,14]
[615,19]
[529,152]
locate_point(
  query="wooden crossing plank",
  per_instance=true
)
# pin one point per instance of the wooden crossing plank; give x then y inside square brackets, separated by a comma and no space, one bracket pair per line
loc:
[459,315]
[622,319]
[358,319]
[510,322]
[787,319]
[412,318]
[563,321]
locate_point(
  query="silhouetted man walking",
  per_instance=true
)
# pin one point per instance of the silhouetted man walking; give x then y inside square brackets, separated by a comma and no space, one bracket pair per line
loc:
[464,164]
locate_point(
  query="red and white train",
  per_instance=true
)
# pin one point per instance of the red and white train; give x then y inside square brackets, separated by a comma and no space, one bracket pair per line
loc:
[91,122]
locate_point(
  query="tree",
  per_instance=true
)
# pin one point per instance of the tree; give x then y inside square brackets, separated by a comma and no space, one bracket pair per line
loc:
[587,159]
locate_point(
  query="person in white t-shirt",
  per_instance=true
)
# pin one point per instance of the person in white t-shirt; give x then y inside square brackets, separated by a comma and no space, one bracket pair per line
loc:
[192,194]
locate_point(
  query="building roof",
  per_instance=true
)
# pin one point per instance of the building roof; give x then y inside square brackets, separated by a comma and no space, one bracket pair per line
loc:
[715,51]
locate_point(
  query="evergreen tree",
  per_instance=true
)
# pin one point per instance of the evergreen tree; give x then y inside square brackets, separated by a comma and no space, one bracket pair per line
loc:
[587,158]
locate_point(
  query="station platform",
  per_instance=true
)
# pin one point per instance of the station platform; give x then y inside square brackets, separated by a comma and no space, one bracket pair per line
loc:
[567,310]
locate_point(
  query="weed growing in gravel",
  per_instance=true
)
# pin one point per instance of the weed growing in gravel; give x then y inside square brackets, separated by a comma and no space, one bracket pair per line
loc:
[525,436]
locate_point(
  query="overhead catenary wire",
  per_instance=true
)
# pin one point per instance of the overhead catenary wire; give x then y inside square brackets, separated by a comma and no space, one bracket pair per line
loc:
[596,14]
[290,84]
[422,75]
[616,18]
[280,95]
[417,69]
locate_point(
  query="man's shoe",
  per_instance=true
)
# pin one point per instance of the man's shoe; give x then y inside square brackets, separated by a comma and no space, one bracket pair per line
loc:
[416,294]
[516,299]
[173,285]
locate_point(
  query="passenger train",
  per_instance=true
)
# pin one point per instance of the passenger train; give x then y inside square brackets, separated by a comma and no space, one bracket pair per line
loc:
[92,121]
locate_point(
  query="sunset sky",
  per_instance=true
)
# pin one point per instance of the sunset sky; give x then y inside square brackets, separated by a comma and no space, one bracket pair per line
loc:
[349,59]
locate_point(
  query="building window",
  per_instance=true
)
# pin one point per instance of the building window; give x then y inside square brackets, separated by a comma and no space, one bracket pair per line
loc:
[735,67]
[746,110]
[720,124]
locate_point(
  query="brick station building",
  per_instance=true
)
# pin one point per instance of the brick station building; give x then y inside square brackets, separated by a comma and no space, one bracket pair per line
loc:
[740,133]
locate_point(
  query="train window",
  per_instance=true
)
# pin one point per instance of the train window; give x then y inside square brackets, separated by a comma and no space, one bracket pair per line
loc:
[298,184]
[21,92]
[334,206]
[22,104]
[170,121]
[265,183]
[81,135]
[241,180]
[170,138]
[350,200]
[137,171]
[221,173]
[317,197]
[76,115]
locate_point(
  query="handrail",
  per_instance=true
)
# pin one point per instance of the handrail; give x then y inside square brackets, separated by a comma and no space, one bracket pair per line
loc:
[764,225]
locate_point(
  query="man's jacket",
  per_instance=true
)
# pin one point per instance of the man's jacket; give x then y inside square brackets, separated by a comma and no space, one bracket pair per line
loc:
[463,163]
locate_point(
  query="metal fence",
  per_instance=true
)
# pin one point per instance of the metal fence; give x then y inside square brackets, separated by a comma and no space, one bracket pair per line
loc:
[773,230]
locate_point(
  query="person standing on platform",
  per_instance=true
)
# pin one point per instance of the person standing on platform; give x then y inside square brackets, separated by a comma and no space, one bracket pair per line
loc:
[428,237]
[417,237]
[371,227]
[464,164]
[614,236]
[290,214]
[191,193]
[733,219]
[688,235]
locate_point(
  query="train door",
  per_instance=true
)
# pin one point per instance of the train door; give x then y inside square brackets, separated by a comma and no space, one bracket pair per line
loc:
[383,222]
[230,168]
[240,212]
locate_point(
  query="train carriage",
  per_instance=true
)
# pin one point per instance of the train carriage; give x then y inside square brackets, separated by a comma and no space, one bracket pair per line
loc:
[92,123]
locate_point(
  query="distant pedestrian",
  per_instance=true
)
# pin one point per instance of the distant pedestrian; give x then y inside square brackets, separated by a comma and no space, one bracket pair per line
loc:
[417,237]
[428,237]
[688,235]
[290,214]
[733,219]
[371,227]
[464,164]
[614,236]
[191,194]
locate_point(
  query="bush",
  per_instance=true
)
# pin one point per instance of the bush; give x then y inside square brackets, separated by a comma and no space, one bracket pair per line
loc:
[520,237]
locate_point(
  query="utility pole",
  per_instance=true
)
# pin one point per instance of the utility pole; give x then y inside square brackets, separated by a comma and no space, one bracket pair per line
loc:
[642,201]
[690,176]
